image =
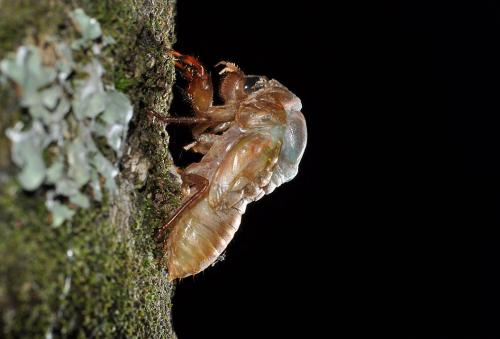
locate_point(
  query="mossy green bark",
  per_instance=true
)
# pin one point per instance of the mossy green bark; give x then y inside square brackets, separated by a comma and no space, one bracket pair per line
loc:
[98,275]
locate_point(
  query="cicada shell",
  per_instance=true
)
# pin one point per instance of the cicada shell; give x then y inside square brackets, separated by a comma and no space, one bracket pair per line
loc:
[251,144]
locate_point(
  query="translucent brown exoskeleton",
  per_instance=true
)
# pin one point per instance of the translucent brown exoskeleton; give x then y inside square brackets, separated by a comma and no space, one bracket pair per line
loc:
[251,144]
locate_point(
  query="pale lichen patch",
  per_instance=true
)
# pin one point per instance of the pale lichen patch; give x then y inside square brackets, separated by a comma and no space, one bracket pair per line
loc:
[67,114]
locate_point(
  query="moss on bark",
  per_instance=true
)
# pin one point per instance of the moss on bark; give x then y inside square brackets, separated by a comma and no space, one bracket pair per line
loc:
[99,274]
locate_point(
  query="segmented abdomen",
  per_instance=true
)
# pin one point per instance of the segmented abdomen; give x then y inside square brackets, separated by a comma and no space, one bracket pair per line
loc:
[200,235]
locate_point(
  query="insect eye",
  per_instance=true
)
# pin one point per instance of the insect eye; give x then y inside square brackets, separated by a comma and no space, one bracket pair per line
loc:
[252,83]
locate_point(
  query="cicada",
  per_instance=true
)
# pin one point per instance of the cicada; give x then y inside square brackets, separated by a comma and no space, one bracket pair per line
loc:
[251,144]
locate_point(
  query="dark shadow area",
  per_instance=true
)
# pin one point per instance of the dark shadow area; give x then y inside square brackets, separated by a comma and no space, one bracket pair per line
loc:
[379,232]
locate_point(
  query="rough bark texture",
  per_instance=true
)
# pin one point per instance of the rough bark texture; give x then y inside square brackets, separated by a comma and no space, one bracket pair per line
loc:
[99,274]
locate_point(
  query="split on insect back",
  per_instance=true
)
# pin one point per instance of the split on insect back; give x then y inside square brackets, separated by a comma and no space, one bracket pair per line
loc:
[250,144]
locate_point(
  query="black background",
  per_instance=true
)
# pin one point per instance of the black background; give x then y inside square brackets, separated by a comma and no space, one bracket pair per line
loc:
[389,226]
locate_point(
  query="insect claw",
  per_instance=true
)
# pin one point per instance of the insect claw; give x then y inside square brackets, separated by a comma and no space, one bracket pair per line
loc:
[189,65]
[199,90]
[178,64]
[174,53]
[229,67]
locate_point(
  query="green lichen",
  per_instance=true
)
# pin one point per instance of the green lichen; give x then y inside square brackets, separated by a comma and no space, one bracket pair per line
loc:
[89,28]
[46,93]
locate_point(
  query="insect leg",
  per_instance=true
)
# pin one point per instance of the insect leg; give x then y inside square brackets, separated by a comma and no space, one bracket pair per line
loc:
[200,89]
[219,119]
[203,143]
[201,185]
[176,120]
[231,86]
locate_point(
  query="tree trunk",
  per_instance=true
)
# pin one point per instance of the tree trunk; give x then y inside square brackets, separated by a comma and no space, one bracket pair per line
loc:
[99,273]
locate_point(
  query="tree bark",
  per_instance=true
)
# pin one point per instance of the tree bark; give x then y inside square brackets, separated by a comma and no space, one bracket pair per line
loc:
[99,274]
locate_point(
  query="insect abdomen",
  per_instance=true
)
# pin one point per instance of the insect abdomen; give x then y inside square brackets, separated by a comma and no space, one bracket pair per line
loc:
[199,236]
